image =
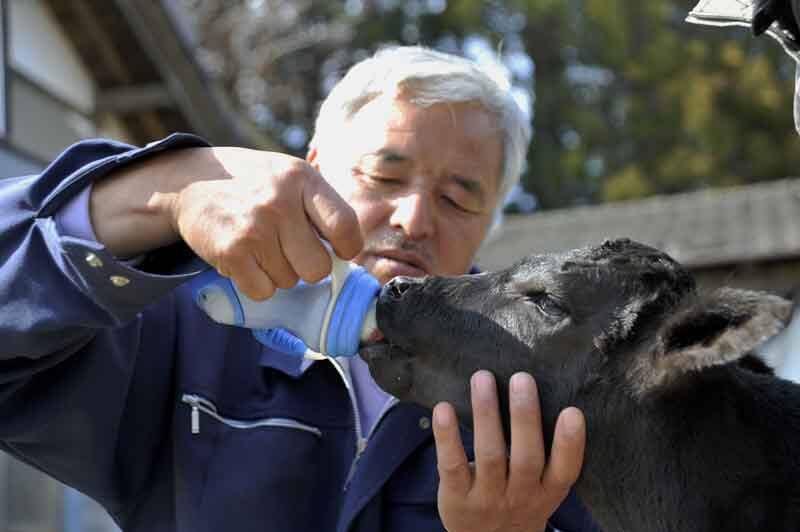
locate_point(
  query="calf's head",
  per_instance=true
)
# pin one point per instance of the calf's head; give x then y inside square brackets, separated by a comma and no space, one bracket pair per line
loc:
[619,316]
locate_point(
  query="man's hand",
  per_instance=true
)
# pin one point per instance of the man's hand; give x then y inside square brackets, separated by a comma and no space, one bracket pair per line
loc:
[502,493]
[257,227]
[251,214]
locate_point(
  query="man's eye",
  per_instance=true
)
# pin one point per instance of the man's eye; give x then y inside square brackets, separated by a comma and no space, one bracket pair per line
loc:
[453,203]
[547,304]
[383,180]
[460,205]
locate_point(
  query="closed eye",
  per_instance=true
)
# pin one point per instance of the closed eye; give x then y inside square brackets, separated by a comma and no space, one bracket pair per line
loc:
[457,205]
[377,180]
[547,304]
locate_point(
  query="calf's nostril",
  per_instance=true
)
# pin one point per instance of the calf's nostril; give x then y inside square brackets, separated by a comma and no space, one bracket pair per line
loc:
[399,285]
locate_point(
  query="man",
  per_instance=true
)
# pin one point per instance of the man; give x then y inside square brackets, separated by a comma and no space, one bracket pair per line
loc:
[115,383]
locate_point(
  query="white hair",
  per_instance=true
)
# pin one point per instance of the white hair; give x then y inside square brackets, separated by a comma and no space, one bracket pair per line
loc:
[426,77]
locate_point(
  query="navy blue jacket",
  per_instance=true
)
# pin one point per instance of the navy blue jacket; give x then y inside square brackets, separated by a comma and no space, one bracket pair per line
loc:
[113,382]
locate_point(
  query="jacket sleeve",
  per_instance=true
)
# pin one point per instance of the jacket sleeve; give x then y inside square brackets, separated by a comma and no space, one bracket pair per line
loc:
[83,389]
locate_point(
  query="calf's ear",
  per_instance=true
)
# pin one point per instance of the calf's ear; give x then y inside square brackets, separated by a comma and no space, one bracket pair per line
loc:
[716,330]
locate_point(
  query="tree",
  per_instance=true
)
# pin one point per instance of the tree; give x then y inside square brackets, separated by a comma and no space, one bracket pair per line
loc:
[629,99]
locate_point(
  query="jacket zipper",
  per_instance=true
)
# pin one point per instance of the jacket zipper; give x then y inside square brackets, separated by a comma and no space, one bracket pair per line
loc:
[363,441]
[343,367]
[201,404]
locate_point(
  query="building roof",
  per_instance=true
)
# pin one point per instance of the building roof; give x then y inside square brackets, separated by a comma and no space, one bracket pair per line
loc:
[702,229]
[146,74]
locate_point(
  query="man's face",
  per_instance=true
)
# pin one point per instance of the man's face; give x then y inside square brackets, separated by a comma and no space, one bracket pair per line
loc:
[422,180]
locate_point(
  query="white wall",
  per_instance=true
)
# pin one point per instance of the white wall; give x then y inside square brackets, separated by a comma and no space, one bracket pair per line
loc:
[51,102]
[39,49]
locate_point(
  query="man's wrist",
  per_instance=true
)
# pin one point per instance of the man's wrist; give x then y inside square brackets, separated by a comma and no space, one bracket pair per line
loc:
[132,209]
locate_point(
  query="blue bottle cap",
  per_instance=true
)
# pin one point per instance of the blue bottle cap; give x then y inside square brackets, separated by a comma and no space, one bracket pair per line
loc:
[344,332]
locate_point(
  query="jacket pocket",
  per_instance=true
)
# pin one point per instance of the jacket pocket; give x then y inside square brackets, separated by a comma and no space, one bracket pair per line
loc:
[201,405]
[256,471]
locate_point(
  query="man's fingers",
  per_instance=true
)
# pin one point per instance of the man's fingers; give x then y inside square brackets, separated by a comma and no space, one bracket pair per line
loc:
[527,445]
[491,457]
[335,220]
[250,278]
[566,456]
[271,259]
[455,476]
[303,249]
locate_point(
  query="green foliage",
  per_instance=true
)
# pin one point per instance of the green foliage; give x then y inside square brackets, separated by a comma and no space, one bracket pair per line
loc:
[683,107]
[629,183]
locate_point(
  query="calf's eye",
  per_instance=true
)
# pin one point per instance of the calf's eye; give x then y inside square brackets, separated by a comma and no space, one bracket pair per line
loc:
[546,304]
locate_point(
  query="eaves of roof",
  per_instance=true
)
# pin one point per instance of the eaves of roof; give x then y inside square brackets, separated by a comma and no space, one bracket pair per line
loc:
[147,75]
[702,229]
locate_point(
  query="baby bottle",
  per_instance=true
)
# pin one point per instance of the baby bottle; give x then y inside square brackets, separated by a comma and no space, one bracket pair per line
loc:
[329,318]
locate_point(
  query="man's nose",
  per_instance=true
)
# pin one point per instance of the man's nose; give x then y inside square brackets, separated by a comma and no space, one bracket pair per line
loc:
[413,213]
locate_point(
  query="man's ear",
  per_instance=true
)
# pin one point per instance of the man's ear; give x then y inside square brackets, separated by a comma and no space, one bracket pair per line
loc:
[716,330]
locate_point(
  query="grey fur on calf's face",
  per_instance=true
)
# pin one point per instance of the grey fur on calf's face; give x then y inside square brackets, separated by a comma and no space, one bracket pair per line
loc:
[618,331]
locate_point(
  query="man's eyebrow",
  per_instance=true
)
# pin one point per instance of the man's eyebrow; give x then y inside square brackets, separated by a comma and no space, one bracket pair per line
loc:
[389,155]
